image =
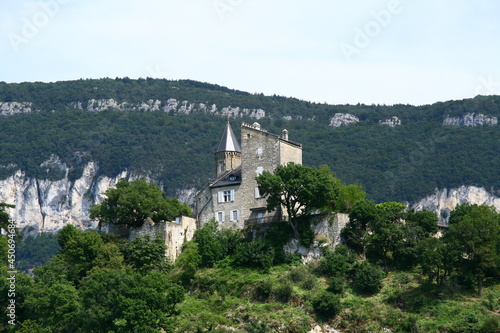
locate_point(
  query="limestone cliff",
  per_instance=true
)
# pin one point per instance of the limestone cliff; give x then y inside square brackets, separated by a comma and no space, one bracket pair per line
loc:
[171,105]
[343,119]
[471,119]
[48,205]
[442,202]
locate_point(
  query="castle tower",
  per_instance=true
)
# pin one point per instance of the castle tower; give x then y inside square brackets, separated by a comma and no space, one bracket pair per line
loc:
[228,154]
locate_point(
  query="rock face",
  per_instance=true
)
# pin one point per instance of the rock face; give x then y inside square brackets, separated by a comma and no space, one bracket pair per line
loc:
[327,230]
[170,105]
[471,119]
[10,108]
[444,201]
[48,205]
[343,119]
[392,122]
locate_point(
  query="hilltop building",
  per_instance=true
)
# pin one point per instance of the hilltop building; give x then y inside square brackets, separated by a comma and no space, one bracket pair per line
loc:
[233,197]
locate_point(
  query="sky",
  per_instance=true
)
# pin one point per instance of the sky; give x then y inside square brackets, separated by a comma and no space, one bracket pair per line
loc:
[326,51]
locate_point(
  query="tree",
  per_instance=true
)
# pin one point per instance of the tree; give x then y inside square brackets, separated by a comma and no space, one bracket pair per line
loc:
[4,216]
[357,231]
[145,254]
[131,203]
[300,189]
[474,234]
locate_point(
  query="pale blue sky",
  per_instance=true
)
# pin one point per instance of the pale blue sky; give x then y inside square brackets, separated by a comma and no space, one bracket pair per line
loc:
[348,51]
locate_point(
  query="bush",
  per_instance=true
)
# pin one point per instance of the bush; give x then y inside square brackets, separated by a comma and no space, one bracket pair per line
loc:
[327,304]
[336,285]
[264,288]
[368,277]
[254,254]
[309,283]
[337,262]
[283,292]
[298,274]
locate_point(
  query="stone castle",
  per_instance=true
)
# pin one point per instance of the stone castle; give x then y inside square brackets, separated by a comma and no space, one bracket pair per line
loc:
[233,197]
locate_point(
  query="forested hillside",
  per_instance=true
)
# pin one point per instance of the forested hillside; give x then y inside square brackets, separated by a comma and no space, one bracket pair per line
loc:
[168,130]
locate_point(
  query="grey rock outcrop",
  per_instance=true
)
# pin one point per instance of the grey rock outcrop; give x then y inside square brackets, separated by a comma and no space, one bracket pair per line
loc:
[43,205]
[10,108]
[392,122]
[343,119]
[170,105]
[327,233]
[471,119]
[442,202]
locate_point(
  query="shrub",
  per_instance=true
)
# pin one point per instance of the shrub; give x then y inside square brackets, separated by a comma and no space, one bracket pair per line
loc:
[254,254]
[283,292]
[368,277]
[336,285]
[327,304]
[264,288]
[309,283]
[298,274]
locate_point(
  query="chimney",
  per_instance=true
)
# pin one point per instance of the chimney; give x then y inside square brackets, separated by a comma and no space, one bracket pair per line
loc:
[284,135]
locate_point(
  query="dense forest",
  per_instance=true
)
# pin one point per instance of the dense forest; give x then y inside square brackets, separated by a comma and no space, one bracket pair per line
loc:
[400,163]
[226,280]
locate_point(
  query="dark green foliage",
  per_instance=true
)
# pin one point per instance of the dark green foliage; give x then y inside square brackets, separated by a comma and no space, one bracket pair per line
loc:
[368,277]
[214,244]
[473,239]
[124,301]
[282,291]
[403,163]
[254,254]
[145,254]
[338,262]
[327,304]
[336,284]
[299,189]
[35,251]
[131,203]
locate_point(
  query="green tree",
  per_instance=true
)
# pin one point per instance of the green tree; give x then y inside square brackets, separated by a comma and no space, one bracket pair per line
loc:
[348,196]
[357,231]
[146,254]
[4,216]
[131,203]
[126,301]
[298,188]
[474,235]
[387,232]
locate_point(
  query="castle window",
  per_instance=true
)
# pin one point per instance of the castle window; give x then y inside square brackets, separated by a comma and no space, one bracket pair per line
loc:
[225,196]
[257,193]
[259,171]
[220,217]
[235,215]
[259,152]
[222,166]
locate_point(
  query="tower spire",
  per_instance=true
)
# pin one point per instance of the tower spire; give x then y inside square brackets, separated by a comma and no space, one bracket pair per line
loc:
[228,154]
[228,141]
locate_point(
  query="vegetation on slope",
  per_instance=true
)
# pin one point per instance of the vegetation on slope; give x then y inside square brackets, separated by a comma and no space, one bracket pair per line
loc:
[403,163]
[225,280]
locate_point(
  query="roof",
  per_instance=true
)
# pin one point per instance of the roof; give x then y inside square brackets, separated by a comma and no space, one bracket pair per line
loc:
[228,141]
[228,178]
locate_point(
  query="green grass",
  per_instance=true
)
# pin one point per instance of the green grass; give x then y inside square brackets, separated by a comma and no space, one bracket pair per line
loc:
[230,299]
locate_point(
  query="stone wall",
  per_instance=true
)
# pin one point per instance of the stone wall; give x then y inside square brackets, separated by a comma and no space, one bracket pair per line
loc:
[262,151]
[174,233]
[327,229]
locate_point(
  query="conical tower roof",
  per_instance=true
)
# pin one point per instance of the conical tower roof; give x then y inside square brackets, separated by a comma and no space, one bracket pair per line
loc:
[228,141]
